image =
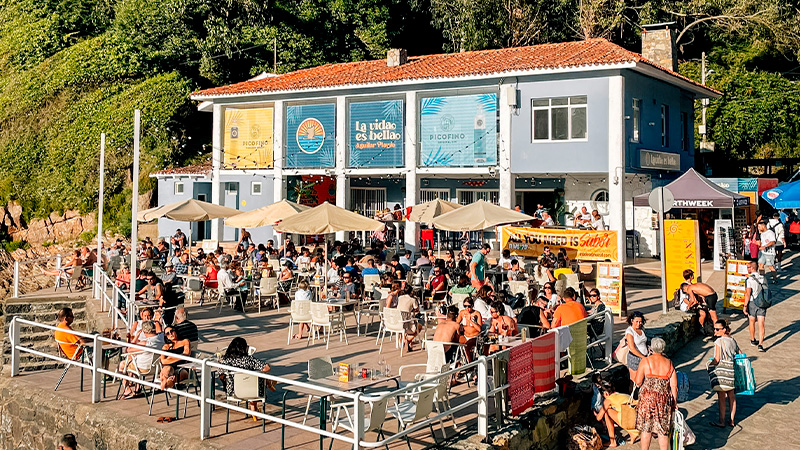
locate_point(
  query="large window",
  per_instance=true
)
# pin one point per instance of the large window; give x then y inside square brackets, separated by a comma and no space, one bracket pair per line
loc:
[429,195]
[367,201]
[637,120]
[467,196]
[558,119]
[664,126]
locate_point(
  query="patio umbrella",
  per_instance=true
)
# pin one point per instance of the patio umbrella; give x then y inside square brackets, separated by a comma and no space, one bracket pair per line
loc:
[189,211]
[426,212]
[267,215]
[785,196]
[478,216]
[324,219]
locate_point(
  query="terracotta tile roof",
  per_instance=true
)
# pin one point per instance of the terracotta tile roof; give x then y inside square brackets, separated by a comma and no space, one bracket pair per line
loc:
[588,53]
[194,169]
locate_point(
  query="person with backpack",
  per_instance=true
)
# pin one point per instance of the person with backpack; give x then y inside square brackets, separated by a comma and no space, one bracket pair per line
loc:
[776,226]
[756,302]
[766,254]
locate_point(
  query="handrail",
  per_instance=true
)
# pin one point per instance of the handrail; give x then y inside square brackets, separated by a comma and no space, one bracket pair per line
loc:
[100,283]
[357,401]
[19,263]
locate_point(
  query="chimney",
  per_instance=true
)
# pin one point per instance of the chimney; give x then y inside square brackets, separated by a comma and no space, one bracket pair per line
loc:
[396,57]
[658,45]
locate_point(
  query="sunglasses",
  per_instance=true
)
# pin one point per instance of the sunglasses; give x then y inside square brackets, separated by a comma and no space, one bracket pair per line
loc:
[718,329]
[548,287]
[467,305]
[594,295]
[493,312]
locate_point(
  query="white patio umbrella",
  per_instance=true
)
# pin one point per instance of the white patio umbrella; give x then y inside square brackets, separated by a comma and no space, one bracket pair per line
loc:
[426,212]
[191,210]
[325,219]
[478,216]
[266,215]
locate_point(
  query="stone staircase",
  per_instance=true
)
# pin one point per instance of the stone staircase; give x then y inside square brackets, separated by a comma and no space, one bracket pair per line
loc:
[42,310]
[638,278]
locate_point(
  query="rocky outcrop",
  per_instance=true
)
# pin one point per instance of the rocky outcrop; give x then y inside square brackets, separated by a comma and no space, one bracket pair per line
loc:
[54,228]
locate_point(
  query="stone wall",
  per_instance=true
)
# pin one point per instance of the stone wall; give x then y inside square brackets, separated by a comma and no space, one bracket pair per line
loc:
[54,228]
[34,419]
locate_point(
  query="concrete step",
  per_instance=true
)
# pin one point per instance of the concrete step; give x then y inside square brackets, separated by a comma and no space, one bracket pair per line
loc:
[637,278]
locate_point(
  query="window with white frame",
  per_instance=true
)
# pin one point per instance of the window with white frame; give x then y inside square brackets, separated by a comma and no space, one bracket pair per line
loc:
[558,119]
[467,196]
[664,126]
[429,195]
[255,188]
[600,201]
[179,188]
[231,188]
[367,201]
[636,117]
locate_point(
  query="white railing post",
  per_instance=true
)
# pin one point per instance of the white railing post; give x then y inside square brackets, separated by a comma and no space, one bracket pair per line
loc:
[205,394]
[58,262]
[97,363]
[483,397]
[96,282]
[358,422]
[16,279]
[609,333]
[557,367]
[14,332]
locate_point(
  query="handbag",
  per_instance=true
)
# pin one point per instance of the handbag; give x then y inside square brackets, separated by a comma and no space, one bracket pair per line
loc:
[744,378]
[627,412]
[681,433]
[621,353]
[721,375]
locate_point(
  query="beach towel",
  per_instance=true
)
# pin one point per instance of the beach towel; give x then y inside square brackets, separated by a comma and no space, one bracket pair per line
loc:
[577,348]
[520,377]
[544,360]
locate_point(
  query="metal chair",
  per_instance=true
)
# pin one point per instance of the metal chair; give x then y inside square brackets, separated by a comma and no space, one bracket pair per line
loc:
[78,355]
[372,309]
[229,297]
[76,274]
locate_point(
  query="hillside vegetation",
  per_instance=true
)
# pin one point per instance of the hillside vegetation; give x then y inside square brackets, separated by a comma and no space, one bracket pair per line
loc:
[71,69]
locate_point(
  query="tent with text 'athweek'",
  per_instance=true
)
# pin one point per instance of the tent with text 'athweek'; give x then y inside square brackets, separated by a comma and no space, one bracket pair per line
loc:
[692,190]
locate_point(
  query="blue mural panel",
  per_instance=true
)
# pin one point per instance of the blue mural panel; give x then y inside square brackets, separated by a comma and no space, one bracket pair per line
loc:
[376,134]
[458,131]
[311,136]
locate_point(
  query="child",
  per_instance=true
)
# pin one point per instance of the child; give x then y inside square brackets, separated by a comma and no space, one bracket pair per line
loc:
[302,293]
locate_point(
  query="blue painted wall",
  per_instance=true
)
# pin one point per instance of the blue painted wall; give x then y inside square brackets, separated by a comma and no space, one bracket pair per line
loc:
[246,201]
[590,155]
[192,188]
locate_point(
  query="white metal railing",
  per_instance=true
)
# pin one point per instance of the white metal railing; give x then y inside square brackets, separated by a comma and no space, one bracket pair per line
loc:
[606,339]
[357,400]
[101,283]
[53,262]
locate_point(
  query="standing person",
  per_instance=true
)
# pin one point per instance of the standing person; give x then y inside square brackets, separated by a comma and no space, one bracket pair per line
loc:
[725,348]
[776,225]
[245,240]
[539,210]
[657,397]
[637,342]
[766,247]
[754,288]
[477,267]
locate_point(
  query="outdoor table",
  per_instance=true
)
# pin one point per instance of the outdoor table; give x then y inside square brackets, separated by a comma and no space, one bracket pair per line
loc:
[340,304]
[109,350]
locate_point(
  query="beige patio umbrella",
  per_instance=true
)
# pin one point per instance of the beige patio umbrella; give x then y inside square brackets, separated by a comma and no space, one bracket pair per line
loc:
[191,210]
[426,212]
[478,216]
[267,215]
[324,219]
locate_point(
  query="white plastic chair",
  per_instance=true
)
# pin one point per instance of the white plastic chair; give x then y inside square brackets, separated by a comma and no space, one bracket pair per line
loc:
[393,322]
[77,273]
[321,317]
[412,411]
[372,309]
[458,300]
[230,298]
[518,287]
[268,287]
[371,281]
[373,422]
[245,389]
[299,312]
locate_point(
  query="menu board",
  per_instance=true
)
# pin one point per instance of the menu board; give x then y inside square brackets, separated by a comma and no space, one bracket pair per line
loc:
[609,283]
[735,277]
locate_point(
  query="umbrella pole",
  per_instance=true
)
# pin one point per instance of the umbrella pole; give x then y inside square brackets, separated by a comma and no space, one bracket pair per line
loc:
[189,240]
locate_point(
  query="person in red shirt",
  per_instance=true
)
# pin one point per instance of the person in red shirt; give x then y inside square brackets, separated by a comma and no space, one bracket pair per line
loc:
[437,283]
[570,311]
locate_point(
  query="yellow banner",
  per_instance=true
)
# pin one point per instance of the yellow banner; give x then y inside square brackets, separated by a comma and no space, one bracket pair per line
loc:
[681,245]
[585,245]
[248,138]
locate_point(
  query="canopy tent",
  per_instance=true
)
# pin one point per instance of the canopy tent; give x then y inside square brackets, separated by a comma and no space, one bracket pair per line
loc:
[189,211]
[785,196]
[478,216]
[267,215]
[692,190]
[426,212]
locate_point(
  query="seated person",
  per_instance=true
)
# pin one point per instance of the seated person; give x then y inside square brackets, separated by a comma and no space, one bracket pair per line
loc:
[437,284]
[139,361]
[515,273]
[135,334]
[471,323]
[501,324]
[606,405]
[449,332]
[237,356]
[370,268]
[504,262]
[302,293]
[535,314]
[68,342]
[123,282]
[170,372]
[170,276]
[349,290]
[570,311]
[66,268]
[185,328]
[463,286]
[393,298]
